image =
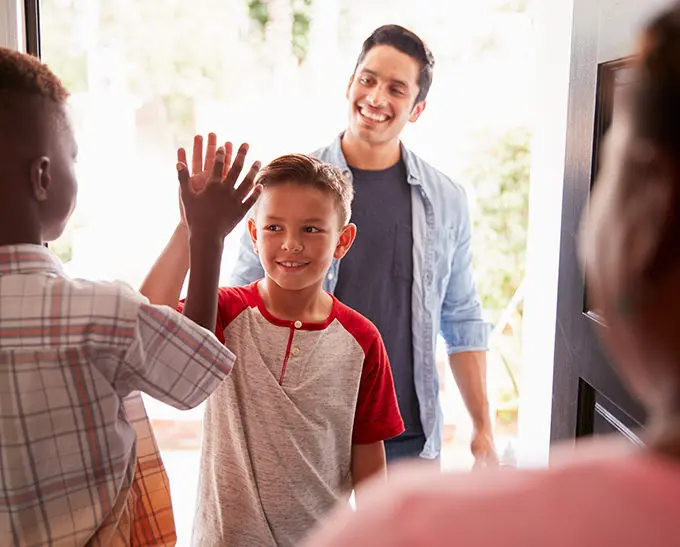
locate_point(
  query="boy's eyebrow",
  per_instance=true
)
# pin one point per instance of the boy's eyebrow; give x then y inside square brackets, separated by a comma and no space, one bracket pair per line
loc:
[376,75]
[313,220]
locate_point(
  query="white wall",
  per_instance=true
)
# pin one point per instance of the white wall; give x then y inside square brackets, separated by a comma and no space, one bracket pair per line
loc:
[553,19]
[11,24]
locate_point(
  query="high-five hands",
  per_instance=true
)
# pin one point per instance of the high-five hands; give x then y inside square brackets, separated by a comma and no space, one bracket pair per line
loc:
[211,203]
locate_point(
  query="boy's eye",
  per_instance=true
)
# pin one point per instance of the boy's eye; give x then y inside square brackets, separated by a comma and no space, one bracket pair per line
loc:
[273,228]
[364,80]
[310,229]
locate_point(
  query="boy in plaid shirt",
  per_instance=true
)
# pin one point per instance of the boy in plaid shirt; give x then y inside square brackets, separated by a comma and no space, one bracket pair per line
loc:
[78,461]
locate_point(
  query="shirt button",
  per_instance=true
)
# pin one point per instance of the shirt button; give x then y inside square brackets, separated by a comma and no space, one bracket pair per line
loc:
[330,276]
[295,352]
[297,324]
[428,278]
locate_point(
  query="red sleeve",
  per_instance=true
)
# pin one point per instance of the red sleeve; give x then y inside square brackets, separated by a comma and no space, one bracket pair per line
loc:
[377,416]
[231,301]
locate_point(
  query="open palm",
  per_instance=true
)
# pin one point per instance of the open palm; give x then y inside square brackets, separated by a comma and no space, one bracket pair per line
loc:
[201,167]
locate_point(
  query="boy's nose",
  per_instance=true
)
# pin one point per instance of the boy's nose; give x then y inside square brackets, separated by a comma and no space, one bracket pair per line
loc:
[292,245]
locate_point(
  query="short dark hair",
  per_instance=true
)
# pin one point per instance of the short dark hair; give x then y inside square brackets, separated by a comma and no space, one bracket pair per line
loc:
[309,171]
[25,82]
[407,42]
[24,75]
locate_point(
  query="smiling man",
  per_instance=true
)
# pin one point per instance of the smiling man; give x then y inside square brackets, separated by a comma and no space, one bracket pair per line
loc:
[410,271]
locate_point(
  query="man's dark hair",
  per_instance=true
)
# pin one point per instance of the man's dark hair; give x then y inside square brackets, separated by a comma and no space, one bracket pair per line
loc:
[407,42]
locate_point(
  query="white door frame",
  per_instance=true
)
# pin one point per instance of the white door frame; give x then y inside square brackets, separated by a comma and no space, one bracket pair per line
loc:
[553,28]
[12,31]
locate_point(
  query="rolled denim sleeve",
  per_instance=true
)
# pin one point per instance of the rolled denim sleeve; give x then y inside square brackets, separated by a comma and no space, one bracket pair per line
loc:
[461,324]
[248,268]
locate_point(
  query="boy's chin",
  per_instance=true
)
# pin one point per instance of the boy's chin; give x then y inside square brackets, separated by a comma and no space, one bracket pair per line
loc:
[300,284]
[53,232]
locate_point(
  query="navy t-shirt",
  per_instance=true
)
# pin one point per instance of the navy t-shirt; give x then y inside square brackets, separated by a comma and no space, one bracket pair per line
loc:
[376,275]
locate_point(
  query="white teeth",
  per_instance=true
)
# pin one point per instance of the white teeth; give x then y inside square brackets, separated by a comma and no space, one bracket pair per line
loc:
[292,264]
[374,117]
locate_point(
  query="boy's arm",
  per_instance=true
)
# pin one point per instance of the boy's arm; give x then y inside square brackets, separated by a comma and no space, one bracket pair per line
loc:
[377,414]
[172,359]
[368,461]
[201,302]
[163,285]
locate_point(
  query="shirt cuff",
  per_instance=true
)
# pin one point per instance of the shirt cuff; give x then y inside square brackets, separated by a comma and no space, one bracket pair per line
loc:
[461,336]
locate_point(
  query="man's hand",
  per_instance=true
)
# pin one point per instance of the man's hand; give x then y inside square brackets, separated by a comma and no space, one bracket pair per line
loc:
[483,448]
[212,203]
[200,168]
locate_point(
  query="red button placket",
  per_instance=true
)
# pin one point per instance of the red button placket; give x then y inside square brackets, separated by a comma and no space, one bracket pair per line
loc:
[293,328]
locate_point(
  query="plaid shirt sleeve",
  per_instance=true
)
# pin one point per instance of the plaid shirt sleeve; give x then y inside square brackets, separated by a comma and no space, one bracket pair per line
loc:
[173,359]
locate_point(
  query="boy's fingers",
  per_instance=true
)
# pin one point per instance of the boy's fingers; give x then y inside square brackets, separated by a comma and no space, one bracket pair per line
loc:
[218,167]
[248,182]
[210,151]
[237,166]
[252,198]
[197,157]
[183,177]
[228,152]
[182,156]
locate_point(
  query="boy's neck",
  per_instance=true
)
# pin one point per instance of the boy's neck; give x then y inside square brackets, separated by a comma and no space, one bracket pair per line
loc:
[309,305]
[13,235]
[370,157]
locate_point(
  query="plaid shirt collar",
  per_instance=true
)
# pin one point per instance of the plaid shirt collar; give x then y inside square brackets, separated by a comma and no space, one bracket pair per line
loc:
[27,258]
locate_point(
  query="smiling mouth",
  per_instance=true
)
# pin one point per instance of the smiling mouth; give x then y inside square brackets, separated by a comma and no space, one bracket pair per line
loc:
[373,117]
[292,265]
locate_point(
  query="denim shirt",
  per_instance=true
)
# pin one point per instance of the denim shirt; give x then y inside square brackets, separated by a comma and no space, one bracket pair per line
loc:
[444,297]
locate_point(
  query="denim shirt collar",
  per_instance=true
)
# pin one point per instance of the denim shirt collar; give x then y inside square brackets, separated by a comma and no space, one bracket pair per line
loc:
[337,157]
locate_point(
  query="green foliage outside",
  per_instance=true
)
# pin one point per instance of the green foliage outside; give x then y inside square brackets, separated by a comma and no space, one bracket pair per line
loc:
[258,10]
[499,173]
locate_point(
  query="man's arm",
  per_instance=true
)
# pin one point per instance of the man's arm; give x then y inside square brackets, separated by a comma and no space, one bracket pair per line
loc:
[466,335]
[469,371]
[368,461]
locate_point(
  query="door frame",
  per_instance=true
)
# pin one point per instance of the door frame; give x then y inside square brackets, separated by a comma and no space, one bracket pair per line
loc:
[12,24]
[31,26]
[570,49]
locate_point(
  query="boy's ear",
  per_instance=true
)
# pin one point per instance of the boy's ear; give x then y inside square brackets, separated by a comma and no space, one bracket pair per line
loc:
[40,177]
[252,230]
[347,235]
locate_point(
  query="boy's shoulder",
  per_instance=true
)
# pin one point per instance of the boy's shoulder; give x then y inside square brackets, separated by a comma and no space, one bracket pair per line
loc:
[361,328]
[232,301]
[105,298]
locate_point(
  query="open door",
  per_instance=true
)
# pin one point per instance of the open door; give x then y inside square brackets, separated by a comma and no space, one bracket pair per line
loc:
[588,398]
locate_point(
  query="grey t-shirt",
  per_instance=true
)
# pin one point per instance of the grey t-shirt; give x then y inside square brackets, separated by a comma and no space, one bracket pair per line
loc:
[376,276]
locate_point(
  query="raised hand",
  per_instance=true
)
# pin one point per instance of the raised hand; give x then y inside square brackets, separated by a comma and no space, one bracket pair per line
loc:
[201,168]
[212,203]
